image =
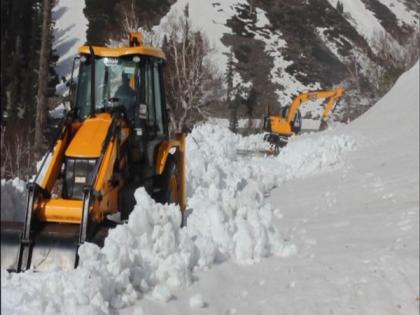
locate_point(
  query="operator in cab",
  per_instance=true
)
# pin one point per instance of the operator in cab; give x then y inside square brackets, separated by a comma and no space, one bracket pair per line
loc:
[126,95]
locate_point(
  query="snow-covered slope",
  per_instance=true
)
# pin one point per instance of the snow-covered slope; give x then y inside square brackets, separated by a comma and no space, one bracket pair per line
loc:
[284,48]
[280,48]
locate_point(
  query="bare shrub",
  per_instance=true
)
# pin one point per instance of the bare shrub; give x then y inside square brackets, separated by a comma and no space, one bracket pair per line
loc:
[17,159]
[191,82]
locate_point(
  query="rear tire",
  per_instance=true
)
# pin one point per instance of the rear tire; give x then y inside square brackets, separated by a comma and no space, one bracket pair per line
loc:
[168,185]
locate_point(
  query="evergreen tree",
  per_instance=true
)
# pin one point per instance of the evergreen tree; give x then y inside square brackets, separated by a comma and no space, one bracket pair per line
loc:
[251,105]
[229,76]
[20,45]
[340,7]
[42,91]
[230,99]
[233,114]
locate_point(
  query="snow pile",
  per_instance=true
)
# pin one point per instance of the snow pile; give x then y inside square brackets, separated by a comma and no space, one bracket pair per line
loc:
[310,154]
[13,200]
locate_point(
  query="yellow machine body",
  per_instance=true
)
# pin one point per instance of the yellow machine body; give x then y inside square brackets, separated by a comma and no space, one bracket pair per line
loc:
[282,125]
[86,143]
[88,140]
[101,144]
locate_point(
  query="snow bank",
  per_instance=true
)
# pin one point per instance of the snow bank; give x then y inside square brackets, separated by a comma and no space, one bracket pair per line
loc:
[13,200]
[228,219]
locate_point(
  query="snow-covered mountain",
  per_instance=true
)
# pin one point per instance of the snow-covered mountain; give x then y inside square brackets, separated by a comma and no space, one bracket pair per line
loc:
[280,47]
[284,47]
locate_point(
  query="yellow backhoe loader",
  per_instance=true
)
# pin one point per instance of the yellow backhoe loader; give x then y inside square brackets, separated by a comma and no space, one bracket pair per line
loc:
[289,122]
[113,140]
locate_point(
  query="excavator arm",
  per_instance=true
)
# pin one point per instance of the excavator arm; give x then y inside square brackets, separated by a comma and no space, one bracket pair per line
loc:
[337,94]
[333,96]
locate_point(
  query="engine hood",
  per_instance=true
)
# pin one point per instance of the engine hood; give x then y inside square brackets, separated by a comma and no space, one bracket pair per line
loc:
[87,142]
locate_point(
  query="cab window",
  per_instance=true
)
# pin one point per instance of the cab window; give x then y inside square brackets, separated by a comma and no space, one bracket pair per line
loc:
[153,97]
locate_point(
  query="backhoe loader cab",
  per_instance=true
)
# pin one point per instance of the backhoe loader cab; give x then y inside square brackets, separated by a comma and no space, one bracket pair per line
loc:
[114,140]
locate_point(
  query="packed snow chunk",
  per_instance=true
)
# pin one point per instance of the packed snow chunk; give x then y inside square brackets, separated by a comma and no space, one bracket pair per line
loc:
[197,301]
[13,200]
[152,245]
[138,311]
[161,293]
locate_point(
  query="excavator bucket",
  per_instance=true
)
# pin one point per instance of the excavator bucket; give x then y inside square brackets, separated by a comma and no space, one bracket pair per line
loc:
[51,247]
[10,238]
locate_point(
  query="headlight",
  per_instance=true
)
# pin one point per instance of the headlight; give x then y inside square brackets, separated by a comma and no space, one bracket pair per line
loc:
[78,173]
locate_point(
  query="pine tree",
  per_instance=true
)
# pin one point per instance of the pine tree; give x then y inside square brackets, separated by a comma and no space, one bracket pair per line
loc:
[41,106]
[229,76]
[340,7]
[251,104]
[13,94]
[233,114]
[230,99]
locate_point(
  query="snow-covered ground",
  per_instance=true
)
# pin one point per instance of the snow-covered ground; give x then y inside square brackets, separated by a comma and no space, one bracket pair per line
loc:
[338,234]
[356,229]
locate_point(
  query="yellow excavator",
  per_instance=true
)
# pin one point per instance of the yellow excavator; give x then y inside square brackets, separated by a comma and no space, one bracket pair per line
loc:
[113,140]
[280,127]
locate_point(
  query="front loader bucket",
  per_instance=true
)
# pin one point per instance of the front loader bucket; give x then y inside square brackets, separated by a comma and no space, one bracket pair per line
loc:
[10,241]
[54,245]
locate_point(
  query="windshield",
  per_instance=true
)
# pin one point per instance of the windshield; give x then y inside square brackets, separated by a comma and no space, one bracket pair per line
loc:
[117,82]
